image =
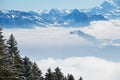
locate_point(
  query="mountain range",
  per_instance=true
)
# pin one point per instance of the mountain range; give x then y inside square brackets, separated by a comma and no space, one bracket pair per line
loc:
[109,9]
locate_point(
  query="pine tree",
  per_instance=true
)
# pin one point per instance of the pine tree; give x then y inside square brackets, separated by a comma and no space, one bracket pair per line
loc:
[27,68]
[36,72]
[31,72]
[5,72]
[58,74]
[2,55]
[65,78]
[49,75]
[70,77]
[80,78]
[17,60]
[2,44]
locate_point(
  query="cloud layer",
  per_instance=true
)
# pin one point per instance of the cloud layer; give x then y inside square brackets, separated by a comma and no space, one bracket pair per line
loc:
[59,36]
[104,29]
[45,36]
[90,68]
[58,42]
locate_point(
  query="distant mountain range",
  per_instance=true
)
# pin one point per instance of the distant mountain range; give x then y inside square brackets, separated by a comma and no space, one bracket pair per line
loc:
[109,9]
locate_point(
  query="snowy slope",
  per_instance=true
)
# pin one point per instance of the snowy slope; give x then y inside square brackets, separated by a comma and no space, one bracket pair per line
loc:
[109,9]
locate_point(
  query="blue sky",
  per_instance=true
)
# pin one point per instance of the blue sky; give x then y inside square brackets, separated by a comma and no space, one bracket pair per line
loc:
[48,4]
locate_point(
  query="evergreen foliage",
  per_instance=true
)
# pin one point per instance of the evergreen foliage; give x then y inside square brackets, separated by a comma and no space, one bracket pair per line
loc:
[70,77]
[80,78]
[14,67]
[58,74]
[49,75]
[36,72]
[5,72]
[27,68]
[16,58]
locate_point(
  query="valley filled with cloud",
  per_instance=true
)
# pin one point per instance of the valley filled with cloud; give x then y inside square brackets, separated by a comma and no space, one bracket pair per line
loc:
[60,36]
[74,53]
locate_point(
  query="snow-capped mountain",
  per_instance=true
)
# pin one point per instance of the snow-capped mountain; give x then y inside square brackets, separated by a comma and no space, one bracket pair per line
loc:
[76,19]
[53,17]
[19,18]
[109,9]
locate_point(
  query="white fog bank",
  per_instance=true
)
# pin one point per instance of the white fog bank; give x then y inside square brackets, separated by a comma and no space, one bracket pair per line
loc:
[90,68]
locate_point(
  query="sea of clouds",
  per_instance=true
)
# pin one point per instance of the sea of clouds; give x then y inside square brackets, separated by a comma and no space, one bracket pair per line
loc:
[90,68]
[57,43]
[60,36]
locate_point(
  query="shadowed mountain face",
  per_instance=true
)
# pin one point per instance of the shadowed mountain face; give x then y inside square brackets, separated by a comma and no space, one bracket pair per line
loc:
[109,9]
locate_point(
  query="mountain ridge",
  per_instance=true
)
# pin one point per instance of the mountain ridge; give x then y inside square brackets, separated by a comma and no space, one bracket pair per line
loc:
[109,9]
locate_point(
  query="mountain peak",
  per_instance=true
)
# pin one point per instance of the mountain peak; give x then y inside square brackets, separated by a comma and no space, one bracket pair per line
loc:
[117,2]
[113,2]
[53,11]
[75,11]
[110,5]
